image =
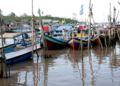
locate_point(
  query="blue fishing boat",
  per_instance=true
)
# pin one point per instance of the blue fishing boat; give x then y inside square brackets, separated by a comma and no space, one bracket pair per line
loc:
[14,52]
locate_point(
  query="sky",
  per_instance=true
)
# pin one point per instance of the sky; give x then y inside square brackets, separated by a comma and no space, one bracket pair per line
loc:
[61,8]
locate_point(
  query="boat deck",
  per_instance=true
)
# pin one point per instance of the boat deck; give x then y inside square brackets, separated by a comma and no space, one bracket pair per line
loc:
[20,52]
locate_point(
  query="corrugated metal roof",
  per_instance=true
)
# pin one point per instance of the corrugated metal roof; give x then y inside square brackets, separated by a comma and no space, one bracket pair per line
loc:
[47,21]
[54,21]
[61,27]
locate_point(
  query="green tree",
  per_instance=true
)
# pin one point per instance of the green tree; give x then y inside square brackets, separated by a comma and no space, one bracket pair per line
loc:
[24,15]
[12,14]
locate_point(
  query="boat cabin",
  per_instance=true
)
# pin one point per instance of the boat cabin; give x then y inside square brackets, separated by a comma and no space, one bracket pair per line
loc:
[102,32]
[84,34]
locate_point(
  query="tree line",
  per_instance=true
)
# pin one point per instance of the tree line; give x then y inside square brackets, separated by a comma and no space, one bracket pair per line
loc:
[13,16]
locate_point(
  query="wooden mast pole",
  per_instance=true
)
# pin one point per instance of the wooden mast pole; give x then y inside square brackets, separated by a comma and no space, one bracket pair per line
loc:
[98,34]
[35,36]
[105,36]
[81,45]
[114,23]
[3,67]
[95,29]
[116,19]
[42,33]
[110,26]
[89,35]
[117,29]
[32,40]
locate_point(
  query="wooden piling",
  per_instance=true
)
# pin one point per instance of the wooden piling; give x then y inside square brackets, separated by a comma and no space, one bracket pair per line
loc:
[3,66]
[81,45]
[89,35]
[97,33]
[105,37]
[117,28]
[114,14]
[42,34]
[32,41]
[35,37]
[33,31]
[110,26]
[114,10]
[118,35]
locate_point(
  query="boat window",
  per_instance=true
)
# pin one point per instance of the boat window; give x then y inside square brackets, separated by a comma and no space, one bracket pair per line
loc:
[78,31]
[86,31]
[55,35]
[57,31]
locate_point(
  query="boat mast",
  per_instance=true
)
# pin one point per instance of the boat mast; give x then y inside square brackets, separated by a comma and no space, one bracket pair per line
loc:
[89,35]
[42,34]
[33,19]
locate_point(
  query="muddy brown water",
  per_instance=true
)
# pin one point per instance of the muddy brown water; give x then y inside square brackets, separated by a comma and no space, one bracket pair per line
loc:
[66,68]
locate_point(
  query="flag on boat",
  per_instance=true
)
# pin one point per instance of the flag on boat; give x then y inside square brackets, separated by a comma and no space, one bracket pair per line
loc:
[63,22]
[75,14]
[81,12]
[39,11]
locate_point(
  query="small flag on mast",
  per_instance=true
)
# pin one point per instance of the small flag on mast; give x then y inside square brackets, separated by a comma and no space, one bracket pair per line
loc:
[81,12]
[39,11]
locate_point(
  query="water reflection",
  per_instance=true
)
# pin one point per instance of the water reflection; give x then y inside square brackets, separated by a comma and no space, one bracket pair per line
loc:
[66,67]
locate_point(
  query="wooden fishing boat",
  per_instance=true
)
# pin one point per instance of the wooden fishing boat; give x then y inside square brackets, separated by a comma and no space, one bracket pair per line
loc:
[75,43]
[53,43]
[15,53]
[95,40]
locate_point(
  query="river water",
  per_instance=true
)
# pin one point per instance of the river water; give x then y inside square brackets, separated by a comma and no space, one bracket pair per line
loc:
[66,68]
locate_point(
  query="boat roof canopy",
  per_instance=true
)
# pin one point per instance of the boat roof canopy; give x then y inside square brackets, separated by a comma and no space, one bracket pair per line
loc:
[11,35]
[65,26]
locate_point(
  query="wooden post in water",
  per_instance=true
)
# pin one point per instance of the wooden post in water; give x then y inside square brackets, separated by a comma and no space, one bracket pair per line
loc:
[35,36]
[98,33]
[116,19]
[105,36]
[110,26]
[114,16]
[32,40]
[114,22]
[81,45]
[3,67]
[89,35]
[117,28]
[42,34]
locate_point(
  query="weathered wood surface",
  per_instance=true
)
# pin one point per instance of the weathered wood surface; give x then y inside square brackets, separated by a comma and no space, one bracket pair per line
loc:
[11,35]
[6,45]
